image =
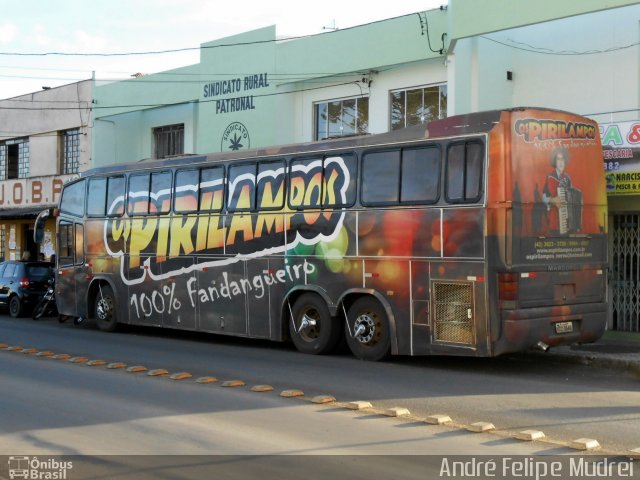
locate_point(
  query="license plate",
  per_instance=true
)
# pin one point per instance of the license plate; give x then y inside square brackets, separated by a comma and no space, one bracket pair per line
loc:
[564,327]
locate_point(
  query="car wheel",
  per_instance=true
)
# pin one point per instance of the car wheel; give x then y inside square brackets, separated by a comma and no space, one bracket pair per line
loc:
[15,307]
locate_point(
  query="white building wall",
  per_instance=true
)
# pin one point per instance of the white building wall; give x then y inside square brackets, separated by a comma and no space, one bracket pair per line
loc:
[416,74]
[129,137]
[554,64]
[41,116]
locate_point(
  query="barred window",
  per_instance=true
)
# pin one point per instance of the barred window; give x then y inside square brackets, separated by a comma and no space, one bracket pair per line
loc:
[14,159]
[168,140]
[339,118]
[3,233]
[418,105]
[70,151]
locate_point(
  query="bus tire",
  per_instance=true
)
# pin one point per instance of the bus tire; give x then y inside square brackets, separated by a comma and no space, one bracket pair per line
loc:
[367,330]
[312,328]
[105,310]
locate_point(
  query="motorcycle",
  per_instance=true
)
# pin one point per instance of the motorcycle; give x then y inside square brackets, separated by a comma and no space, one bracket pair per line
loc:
[47,303]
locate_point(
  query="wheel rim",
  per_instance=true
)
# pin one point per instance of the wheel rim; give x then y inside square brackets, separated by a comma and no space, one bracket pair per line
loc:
[367,329]
[309,326]
[14,306]
[104,309]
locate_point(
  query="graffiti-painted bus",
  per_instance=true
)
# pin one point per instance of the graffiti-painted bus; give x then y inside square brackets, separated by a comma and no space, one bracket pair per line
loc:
[478,235]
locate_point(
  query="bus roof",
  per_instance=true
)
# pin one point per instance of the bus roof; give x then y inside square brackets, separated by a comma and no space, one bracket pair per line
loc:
[477,122]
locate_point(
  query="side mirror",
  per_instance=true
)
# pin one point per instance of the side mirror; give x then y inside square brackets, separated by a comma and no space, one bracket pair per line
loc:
[38,228]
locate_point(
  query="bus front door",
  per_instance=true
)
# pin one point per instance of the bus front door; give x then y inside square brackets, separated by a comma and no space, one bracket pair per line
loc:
[71,271]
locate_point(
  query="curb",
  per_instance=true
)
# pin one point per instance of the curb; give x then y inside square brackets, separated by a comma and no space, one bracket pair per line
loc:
[604,361]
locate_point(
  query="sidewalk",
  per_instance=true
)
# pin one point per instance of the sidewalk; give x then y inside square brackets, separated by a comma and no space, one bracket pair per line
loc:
[615,350]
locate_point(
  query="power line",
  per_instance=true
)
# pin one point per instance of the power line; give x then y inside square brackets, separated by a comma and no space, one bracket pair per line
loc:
[547,51]
[187,49]
[183,102]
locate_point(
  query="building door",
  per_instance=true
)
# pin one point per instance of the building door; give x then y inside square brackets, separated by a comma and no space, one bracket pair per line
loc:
[625,272]
[29,245]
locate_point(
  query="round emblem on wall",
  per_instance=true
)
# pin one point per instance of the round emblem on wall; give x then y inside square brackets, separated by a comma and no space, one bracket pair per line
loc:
[235,137]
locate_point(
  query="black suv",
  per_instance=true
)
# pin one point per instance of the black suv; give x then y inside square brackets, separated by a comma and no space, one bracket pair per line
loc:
[22,284]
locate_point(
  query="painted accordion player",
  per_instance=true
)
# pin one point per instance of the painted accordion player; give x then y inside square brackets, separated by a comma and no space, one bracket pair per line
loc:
[570,213]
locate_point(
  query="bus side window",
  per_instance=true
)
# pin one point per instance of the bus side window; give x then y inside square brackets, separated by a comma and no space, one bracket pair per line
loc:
[271,185]
[160,194]
[475,162]
[73,199]
[211,189]
[420,175]
[138,195]
[115,196]
[186,191]
[380,178]
[97,197]
[242,188]
[305,183]
[334,173]
[65,244]
[79,244]
[464,172]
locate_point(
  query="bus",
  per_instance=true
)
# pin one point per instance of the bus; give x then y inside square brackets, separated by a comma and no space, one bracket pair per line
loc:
[476,235]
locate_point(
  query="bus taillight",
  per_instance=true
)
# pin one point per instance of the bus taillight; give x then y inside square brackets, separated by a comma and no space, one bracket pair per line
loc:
[507,289]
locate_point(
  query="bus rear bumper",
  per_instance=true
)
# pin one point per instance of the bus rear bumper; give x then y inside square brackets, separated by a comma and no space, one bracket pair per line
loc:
[553,326]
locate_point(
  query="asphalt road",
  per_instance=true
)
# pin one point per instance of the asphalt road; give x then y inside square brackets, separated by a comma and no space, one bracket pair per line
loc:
[132,411]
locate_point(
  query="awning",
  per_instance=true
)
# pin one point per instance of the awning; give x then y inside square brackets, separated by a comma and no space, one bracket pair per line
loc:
[21,213]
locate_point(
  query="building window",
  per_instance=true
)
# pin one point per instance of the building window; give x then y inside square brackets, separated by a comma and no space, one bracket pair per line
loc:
[70,151]
[14,159]
[168,140]
[339,118]
[3,232]
[418,105]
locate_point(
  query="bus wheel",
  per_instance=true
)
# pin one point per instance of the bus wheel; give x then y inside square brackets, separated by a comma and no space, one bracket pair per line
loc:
[312,328]
[105,312]
[367,330]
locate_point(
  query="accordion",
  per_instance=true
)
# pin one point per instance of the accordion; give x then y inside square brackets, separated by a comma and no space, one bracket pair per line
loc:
[570,213]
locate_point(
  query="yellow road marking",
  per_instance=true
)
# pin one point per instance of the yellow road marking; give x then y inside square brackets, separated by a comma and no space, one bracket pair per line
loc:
[205,380]
[292,393]
[262,388]
[136,369]
[323,399]
[78,359]
[116,365]
[233,383]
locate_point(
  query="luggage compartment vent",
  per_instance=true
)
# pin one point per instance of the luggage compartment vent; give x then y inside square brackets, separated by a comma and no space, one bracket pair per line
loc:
[453,313]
